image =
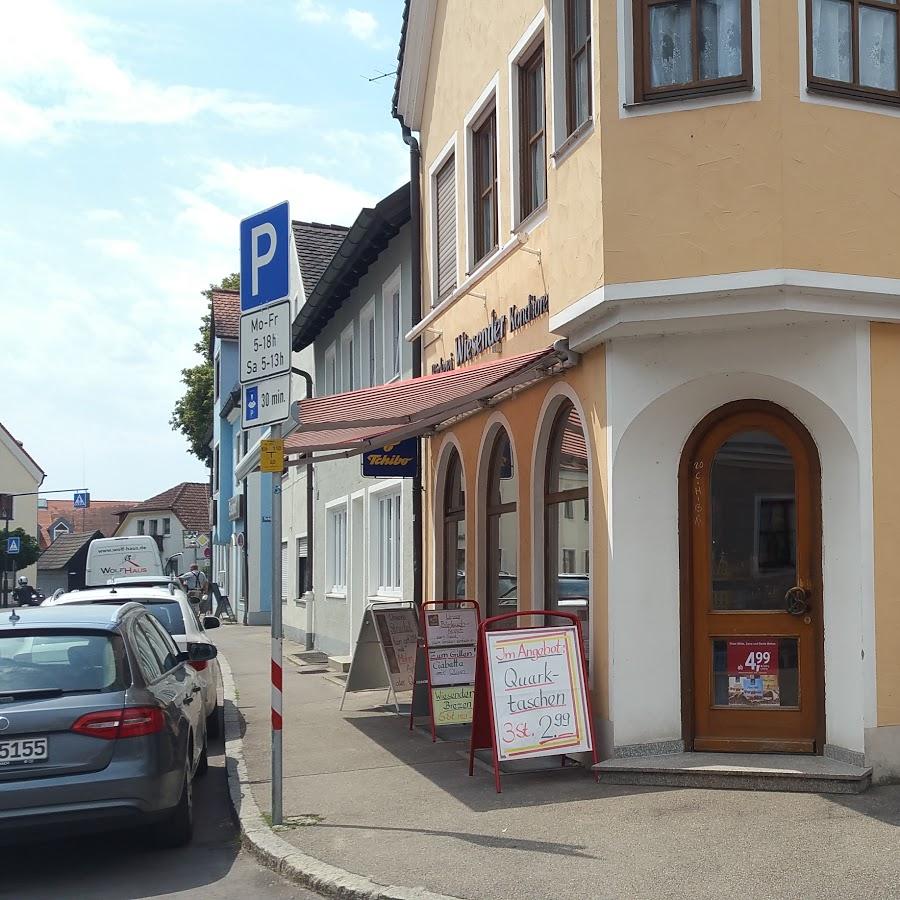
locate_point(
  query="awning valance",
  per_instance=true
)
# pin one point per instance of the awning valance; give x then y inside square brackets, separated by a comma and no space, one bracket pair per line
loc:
[353,422]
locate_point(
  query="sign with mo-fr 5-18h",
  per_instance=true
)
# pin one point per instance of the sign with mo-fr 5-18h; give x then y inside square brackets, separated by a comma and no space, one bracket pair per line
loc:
[265,348]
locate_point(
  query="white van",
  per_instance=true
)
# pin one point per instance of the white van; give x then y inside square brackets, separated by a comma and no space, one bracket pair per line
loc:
[119,557]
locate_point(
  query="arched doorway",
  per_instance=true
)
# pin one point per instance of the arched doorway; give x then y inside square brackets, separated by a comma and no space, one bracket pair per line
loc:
[752,618]
[454,527]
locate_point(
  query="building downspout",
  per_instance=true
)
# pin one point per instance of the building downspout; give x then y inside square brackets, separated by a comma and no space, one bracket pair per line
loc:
[415,224]
[310,524]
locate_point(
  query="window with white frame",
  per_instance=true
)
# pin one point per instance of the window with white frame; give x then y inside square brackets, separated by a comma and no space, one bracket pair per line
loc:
[393,333]
[389,549]
[368,362]
[337,550]
[331,370]
[349,374]
[527,104]
[572,67]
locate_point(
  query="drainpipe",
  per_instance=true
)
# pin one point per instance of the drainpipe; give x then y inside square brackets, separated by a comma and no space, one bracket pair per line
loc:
[310,521]
[415,224]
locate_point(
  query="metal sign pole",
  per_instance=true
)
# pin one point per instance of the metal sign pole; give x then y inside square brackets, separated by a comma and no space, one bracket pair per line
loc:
[277,648]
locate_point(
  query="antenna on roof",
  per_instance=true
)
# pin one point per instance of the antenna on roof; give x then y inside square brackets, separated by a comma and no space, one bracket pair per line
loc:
[379,77]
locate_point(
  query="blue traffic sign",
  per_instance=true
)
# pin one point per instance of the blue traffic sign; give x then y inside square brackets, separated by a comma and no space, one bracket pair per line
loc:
[266,241]
[251,402]
[13,546]
[82,500]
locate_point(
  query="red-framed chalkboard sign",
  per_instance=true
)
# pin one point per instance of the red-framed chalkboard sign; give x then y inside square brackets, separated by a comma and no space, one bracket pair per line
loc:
[531,691]
[447,654]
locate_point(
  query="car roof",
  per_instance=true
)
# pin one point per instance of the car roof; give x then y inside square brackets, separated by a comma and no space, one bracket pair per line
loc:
[122,593]
[100,616]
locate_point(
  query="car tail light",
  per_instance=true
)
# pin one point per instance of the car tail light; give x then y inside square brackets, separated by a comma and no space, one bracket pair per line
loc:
[200,665]
[110,724]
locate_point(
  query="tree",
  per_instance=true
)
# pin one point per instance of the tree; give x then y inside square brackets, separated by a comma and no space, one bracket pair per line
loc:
[29,548]
[193,412]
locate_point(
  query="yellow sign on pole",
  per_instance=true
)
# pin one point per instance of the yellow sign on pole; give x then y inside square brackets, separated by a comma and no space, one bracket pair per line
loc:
[271,455]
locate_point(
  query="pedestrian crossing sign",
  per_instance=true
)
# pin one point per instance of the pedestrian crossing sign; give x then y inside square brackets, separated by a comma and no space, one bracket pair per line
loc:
[13,546]
[82,500]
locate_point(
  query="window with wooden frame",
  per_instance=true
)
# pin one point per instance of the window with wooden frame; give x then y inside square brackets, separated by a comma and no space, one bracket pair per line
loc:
[445,229]
[503,528]
[484,184]
[851,48]
[454,530]
[532,133]
[686,48]
[567,537]
[579,89]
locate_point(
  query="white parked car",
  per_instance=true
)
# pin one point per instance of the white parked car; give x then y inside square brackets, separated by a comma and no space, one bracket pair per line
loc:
[169,603]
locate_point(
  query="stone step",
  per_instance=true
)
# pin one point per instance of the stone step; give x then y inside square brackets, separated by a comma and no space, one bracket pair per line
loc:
[310,657]
[339,664]
[738,771]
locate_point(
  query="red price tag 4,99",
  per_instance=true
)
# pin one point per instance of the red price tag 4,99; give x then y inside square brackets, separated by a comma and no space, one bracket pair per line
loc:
[752,657]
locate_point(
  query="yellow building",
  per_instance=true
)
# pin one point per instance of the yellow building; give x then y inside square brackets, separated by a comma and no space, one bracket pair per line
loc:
[702,199]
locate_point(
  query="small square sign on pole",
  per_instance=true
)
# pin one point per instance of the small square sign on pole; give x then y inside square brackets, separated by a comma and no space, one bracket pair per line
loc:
[13,546]
[271,455]
[6,506]
[82,500]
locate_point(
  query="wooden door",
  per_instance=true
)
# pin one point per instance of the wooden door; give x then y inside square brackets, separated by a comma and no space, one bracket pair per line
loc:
[755,583]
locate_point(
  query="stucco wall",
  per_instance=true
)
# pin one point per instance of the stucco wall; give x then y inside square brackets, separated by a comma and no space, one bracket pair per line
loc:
[15,478]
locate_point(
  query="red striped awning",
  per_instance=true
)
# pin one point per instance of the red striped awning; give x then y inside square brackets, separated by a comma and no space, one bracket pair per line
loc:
[372,417]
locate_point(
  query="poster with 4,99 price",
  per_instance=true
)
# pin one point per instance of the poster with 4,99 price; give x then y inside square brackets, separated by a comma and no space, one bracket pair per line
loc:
[753,673]
[537,692]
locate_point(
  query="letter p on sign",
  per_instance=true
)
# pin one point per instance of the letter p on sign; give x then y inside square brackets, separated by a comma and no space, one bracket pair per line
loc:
[265,257]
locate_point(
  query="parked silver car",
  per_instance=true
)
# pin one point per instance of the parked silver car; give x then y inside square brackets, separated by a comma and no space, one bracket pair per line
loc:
[101,724]
[169,603]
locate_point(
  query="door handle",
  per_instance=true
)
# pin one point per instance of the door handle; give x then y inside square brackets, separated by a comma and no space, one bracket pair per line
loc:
[796,601]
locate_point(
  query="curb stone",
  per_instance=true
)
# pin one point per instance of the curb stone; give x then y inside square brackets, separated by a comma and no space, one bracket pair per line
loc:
[273,851]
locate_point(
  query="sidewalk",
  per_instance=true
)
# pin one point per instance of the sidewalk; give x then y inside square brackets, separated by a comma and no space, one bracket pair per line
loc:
[390,805]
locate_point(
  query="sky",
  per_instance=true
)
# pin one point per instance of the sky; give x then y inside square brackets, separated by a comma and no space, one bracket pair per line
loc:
[133,138]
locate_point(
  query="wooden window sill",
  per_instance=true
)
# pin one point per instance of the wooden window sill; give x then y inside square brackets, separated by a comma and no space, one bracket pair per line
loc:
[859,95]
[701,94]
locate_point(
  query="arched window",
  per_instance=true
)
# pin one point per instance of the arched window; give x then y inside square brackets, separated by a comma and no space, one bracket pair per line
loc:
[454,529]
[567,520]
[502,528]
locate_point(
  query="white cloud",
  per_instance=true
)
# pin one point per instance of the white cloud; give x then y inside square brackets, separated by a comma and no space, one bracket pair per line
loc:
[53,79]
[116,248]
[361,24]
[209,222]
[313,197]
[103,215]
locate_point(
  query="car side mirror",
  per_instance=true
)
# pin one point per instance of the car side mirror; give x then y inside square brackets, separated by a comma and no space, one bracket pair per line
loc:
[202,652]
[211,622]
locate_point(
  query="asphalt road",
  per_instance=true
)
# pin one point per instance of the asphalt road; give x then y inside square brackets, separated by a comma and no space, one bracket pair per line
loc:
[121,867]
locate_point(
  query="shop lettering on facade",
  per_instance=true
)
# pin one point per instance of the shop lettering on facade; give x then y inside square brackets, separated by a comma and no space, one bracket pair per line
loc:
[467,347]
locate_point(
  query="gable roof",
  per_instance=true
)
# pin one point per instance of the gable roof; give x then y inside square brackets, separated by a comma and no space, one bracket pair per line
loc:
[60,553]
[189,501]
[416,35]
[17,448]
[367,238]
[316,245]
[225,316]
[102,515]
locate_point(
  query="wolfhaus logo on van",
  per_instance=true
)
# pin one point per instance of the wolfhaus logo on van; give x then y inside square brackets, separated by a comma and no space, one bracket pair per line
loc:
[467,347]
[400,460]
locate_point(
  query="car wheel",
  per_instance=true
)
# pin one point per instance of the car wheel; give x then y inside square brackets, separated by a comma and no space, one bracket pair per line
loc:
[177,829]
[214,722]
[203,763]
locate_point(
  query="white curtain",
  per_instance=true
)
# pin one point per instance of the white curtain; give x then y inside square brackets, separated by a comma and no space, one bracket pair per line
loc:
[671,46]
[831,40]
[721,49]
[878,48]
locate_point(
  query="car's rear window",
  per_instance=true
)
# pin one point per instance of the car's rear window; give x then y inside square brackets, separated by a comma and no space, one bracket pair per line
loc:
[73,662]
[168,614]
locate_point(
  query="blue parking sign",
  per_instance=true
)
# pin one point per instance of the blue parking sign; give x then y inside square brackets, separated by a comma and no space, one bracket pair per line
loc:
[251,401]
[13,546]
[266,240]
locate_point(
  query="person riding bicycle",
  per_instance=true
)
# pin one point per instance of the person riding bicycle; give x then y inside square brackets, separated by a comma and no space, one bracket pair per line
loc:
[195,583]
